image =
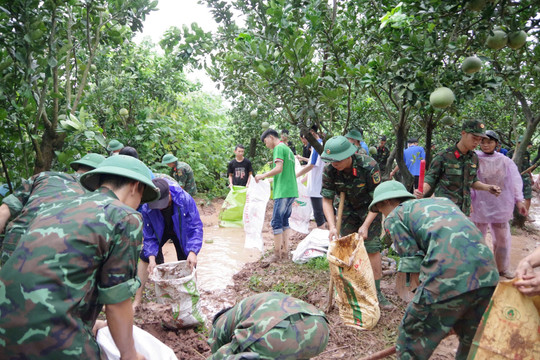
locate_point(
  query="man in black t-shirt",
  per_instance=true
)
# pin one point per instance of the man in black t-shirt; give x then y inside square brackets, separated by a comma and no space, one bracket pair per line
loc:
[239,169]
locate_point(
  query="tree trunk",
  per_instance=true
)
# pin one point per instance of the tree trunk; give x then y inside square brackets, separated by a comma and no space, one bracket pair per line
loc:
[401,132]
[252,147]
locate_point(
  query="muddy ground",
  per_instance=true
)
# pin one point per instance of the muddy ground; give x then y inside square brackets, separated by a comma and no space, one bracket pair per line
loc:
[307,282]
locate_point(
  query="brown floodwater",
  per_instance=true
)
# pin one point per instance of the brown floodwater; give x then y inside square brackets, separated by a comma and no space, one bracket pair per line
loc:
[222,255]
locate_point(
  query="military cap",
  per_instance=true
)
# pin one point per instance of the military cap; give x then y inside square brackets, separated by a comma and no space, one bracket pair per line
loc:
[355,134]
[91,160]
[337,148]
[389,190]
[169,158]
[492,135]
[475,127]
[124,166]
[115,145]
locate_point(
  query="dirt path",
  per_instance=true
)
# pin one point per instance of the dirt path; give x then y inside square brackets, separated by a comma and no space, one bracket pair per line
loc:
[309,284]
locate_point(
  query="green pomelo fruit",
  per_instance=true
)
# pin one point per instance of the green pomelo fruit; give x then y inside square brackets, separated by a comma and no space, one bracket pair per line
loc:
[476,5]
[265,125]
[447,120]
[497,41]
[517,39]
[253,113]
[373,150]
[123,112]
[441,98]
[471,65]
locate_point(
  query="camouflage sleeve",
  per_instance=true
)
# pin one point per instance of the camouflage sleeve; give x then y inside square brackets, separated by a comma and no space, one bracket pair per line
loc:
[433,174]
[118,279]
[474,169]
[411,256]
[19,198]
[328,185]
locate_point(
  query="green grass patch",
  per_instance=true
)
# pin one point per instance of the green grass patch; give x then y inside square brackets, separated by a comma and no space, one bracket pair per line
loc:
[318,263]
[298,290]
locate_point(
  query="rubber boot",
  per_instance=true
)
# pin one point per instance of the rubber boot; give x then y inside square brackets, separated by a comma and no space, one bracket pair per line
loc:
[384,304]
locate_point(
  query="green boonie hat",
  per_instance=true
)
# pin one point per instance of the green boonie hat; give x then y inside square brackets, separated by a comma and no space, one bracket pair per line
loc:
[337,148]
[475,127]
[115,145]
[168,158]
[91,160]
[124,166]
[389,190]
[355,134]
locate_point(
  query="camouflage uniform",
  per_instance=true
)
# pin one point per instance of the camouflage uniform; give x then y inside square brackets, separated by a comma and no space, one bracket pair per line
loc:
[358,186]
[75,256]
[34,195]
[451,175]
[457,270]
[382,157]
[183,173]
[525,164]
[269,326]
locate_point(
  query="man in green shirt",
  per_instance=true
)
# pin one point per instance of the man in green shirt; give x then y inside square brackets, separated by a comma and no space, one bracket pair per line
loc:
[452,172]
[285,190]
[457,270]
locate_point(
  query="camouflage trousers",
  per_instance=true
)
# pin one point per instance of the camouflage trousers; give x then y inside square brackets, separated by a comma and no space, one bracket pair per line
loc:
[424,326]
[527,186]
[353,220]
[300,336]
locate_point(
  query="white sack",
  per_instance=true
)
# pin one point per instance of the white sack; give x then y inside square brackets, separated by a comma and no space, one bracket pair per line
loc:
[314,245]
[257,197]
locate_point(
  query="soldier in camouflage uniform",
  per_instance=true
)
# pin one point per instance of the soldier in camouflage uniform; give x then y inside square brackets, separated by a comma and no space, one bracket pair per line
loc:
[356,138]
[76,256]
[356,175]
[457,270]
[527,177]
[382,154]
[182,173]
[37,193]
[452,172]
[269,325]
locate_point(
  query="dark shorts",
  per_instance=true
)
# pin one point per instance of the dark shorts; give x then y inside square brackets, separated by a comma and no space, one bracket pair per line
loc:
[352,221]
[424,326]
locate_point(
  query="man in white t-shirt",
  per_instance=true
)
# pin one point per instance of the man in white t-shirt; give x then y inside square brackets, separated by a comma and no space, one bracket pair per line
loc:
[314,169]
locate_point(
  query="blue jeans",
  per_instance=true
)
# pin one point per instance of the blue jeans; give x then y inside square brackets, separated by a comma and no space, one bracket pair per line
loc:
[281,214]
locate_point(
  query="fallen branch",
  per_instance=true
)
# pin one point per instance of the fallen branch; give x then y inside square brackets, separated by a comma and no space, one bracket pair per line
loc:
[201,355]
[334,349]
[381,354]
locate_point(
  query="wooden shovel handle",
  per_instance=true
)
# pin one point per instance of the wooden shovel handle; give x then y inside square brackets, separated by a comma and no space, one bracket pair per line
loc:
[338,228]
[340,211]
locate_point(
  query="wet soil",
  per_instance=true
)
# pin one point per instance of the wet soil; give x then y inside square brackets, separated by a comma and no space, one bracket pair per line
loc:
[307,283]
